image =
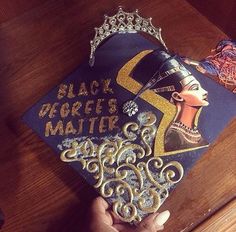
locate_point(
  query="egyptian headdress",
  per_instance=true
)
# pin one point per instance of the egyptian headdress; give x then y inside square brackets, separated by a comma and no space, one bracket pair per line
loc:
[123,156]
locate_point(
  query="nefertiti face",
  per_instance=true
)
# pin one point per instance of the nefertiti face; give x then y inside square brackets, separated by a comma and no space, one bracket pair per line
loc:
[192,93]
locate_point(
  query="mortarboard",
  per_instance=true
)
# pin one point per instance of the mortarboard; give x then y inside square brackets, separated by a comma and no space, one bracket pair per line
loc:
[135,122]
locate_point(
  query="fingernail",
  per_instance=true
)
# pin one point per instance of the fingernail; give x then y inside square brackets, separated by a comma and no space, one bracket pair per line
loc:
[162,218]
[160,228]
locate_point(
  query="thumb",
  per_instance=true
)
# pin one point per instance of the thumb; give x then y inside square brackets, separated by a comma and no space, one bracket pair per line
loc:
[153,223]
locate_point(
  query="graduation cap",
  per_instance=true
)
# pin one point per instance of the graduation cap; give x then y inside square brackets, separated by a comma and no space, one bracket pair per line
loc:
[134,120]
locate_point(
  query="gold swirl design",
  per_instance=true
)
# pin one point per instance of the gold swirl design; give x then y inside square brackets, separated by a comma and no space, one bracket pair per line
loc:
[130,134]
[134,187]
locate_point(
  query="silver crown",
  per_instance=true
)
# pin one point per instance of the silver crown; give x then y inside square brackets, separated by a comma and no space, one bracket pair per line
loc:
[123,22]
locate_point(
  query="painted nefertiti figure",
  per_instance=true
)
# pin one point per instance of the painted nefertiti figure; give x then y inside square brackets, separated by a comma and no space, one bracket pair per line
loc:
[183,90]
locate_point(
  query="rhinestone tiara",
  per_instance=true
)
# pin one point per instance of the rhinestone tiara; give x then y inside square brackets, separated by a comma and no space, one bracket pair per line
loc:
[123,22]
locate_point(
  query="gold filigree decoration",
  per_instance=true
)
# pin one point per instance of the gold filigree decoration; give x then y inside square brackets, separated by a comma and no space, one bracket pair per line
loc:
[125,173]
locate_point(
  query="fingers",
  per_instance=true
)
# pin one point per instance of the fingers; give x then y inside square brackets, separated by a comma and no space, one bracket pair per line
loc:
[154,222]
[116,219]
[99,205]
[99,213]
[162,218]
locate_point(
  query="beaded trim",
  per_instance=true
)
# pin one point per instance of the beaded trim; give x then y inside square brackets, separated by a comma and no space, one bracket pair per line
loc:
[192,135]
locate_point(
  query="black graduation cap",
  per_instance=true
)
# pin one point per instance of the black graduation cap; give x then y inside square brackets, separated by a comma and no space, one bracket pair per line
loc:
[133,160]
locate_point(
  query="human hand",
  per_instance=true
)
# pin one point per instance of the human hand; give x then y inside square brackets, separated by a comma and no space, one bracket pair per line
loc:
[104,220]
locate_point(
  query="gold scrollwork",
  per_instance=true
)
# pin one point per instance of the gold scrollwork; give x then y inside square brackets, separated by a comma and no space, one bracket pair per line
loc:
[134,187]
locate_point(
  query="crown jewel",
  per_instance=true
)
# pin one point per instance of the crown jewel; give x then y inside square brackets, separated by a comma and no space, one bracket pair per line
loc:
[123,22]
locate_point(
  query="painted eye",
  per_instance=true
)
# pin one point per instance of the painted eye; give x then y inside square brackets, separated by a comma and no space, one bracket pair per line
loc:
[194,87]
